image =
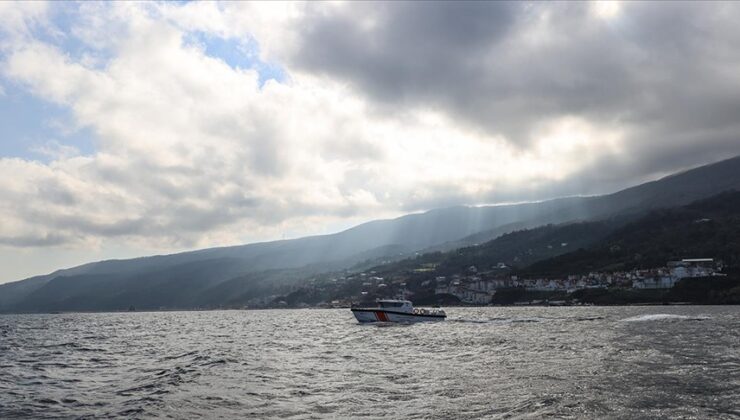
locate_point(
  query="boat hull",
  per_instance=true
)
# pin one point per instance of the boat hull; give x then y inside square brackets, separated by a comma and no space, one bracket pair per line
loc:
[379,315]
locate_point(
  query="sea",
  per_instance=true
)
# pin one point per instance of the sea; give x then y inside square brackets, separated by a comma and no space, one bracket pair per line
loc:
[678,362]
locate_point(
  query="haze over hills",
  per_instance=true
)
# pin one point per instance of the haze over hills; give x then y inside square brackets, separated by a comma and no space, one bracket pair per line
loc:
[704,228]
[607,253]
[708,228]
[230,275]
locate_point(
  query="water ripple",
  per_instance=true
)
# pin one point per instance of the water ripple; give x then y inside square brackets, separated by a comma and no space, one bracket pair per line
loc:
[630,362]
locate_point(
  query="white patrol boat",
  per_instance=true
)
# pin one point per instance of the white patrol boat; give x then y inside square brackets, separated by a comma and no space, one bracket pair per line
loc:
[392,310]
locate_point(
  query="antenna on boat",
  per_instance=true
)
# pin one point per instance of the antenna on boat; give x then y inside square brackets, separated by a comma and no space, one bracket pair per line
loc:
[403,291]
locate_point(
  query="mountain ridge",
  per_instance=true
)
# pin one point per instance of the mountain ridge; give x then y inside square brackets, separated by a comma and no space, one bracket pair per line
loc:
[391,238]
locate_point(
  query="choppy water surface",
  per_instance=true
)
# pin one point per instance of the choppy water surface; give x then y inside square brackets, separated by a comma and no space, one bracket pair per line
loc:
[576,362]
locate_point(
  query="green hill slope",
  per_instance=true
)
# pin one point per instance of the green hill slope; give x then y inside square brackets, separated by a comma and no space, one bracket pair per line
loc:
[706,228]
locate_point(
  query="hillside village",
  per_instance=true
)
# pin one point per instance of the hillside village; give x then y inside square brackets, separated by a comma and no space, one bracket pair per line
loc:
[480,289]
[475,287]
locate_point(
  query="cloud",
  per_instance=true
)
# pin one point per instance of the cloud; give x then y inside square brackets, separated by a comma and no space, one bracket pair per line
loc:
[18,19]
[55,150]
[507,68]
[383,108]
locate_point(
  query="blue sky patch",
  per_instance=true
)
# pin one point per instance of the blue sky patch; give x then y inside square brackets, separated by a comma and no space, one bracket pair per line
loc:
[65,17]
[237,53]
[30,123]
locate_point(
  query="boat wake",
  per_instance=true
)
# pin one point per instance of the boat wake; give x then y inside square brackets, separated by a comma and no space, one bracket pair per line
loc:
[497,320]
[469,321]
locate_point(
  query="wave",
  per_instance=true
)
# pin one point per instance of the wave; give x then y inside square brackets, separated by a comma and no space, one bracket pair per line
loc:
[663,317]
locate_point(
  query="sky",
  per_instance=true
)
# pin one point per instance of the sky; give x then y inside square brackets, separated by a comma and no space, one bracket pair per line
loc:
[131,129]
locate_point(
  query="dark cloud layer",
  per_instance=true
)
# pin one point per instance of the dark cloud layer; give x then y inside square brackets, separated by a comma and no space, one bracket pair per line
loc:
[666,73]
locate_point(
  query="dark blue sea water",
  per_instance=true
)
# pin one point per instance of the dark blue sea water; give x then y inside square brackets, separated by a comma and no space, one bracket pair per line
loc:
[570,362]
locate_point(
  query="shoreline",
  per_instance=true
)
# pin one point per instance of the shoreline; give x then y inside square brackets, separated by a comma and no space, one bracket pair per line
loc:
[682,304]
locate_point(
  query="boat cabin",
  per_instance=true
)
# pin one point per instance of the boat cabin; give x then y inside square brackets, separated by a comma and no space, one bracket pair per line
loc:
[396,305]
